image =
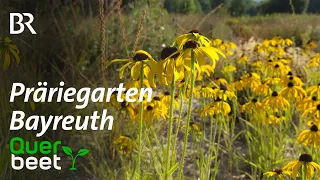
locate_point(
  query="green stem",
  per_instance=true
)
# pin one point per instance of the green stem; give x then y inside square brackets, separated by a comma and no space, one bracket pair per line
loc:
[140,123]
[188,115]
[170,125]
[182,95]
[305,171]
[211,139]
[73,162]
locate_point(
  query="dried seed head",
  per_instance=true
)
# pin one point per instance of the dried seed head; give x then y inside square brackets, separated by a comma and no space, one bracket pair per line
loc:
[218,99]
[274,94]
[195,31]
[140,57]
[149,108]
[314,128]
[224,88]
[290,84]
[156,98]
[123,104]
[190,44]
[169,50]
[305,158]
[278,171]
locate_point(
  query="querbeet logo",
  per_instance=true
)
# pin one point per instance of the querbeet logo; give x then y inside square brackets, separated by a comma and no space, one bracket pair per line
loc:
[43,155]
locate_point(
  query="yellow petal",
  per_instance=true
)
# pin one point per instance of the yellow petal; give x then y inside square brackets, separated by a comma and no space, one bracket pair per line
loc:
[123,68]
[136,70]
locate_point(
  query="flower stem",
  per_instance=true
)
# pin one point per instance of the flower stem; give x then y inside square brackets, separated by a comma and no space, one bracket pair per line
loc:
[305,171]
[182,95]
[188,115]
[140,123]
[170,126]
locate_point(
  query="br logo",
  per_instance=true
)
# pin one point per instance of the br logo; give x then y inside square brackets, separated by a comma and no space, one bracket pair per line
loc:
[17,18]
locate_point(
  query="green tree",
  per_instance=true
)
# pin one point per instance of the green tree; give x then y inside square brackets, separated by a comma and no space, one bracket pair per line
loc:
[191,6]
[240,7]
[205,5]
[314,6]
[283,6]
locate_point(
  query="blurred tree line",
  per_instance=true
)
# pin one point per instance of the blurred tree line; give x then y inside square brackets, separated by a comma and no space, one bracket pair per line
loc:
[243,7]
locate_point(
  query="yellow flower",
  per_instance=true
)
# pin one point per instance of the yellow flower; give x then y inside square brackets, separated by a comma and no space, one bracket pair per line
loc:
[200,52]
[159,104]
[195,127]
[272,80]
[204,91]
[128,108]
[313,112]
[124,145]
[274,120]
[220,82]
[311,44]
[256,64]
[310,137]
[165,98]
[237,85]
[7,49]
[306,103]
[216,42]
[262,89]
[277,172]
[276,102]
[292,92]
[141,62]
[169,68]
[306,161]
[313,63]
[314,90]
[152,111]
[223,93]
[250,80]
[217,107]
[192,35]
[290,78]
[228,69]
[243,59]
[251,106]
[225,47]
[277,68]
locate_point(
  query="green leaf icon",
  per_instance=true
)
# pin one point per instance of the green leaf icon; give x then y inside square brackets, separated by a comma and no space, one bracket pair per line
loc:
[67,150]
[83,152]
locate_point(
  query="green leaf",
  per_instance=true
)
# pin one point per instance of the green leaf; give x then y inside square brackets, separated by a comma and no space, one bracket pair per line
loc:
[174,167]
[32,105]
[15,54]
[7,40]
[6,62]
[67,150]
[83,152]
